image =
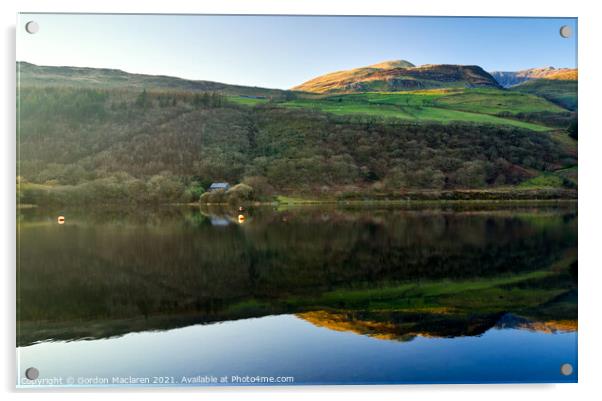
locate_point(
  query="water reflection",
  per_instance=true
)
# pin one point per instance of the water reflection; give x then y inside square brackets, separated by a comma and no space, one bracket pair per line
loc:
[386,273]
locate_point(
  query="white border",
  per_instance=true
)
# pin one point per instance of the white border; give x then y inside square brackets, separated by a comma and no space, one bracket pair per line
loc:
[590,147]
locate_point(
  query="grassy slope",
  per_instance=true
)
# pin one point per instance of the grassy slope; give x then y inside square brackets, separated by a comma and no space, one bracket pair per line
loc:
[247,101]
[561,92]
[468,105]
[570,174]
[415,114]
[492,101]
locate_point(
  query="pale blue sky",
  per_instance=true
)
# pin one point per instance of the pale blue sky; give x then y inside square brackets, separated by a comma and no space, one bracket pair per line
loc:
[280,52]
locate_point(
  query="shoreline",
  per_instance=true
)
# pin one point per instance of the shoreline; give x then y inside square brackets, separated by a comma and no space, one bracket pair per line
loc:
[391,202]
[330,202]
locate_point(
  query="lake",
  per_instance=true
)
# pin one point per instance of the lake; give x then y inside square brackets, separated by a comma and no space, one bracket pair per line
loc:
[321,294]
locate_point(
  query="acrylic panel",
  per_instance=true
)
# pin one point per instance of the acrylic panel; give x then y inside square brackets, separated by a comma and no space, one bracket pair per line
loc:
[290,200]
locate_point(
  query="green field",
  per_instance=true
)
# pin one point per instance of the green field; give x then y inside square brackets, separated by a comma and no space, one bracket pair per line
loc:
[485,101]
[439,105]
[411,113]
[570,174]
[557,179]
[247,101]
[493,101]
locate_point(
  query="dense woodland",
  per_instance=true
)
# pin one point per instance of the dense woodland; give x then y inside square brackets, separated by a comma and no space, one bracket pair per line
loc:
[110,145]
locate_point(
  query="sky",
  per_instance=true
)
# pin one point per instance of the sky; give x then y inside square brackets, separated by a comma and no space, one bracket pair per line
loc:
[284,51]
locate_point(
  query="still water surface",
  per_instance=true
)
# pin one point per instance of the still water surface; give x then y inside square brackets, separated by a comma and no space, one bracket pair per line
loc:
[317,294]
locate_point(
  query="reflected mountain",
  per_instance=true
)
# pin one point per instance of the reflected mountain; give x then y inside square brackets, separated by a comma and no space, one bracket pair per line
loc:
[405,328]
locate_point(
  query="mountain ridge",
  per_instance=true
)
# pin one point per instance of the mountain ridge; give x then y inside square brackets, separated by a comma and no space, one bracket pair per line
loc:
[399,75]
[30,74]
[512,78]
[392,64]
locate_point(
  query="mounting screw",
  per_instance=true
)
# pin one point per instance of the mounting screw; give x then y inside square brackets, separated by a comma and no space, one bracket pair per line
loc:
[566,369]
[32,27]
[565,31]
[32,373]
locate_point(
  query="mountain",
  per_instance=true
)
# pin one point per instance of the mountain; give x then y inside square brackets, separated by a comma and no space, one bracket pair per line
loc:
[511,78]
[399,75]
[106,78]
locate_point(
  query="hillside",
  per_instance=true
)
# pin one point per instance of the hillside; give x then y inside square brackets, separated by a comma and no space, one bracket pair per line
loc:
[89,146]
[511,78]
[488,106]
[104,78]
[399,75]
[559,91]
[85,141]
